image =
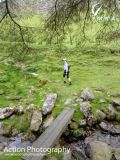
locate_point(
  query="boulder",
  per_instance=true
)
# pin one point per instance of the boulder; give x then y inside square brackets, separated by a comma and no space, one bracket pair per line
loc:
[48,122]
[49,104]
[36,121]
[6,112]
[87,95]
[68,101]
[101,115]
[99,151]
[111,128]
[86,109]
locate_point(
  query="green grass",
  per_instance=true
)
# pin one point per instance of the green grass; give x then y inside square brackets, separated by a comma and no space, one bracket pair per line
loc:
[93,65]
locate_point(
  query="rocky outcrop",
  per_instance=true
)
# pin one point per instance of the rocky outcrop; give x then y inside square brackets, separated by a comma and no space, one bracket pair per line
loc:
[87,95]
[111,114]
[49,104]
[109,127]
[99,151]
[36,121]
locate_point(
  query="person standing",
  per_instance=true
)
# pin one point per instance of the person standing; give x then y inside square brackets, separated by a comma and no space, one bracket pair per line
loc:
[66,74]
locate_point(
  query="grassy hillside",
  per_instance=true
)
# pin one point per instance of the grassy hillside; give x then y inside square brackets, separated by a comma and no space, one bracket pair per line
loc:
[93,65]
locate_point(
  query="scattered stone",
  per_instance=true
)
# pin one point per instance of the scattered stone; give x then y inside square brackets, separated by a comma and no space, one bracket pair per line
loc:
[83,123]
[78,153]
[111,113]
[19,110]
[87,95]
[68,101]
[49,104]
[36,121]
[30,107]
[48,122]
[91,120]
[6,112]
[101,115]
[67,156]
[73,125]
[86,109]
[116,103]
[99,151]
[111,128]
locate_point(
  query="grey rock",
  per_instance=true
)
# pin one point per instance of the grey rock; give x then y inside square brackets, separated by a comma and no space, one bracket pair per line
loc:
[29,136]
[49,104]
[86,109]
[87,95]
[101,115]
[111,113]
[6,112]
[91,120]
[111,128]
[100,151]
[19,110]
[116,102]
[48,122]
[36,121]
[68,101]
[67,156]
[2,146]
